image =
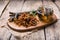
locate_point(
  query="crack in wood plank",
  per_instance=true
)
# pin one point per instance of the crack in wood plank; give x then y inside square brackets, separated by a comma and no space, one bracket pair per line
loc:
[10,37]
[4,8]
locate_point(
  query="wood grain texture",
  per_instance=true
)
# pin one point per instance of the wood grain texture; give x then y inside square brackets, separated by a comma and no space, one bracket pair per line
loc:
[58,23]
[39,35]
[4,34]
[31,5]
[57,30]
[13,38]
[52,31]
[14,6]
[2,6]
[58,4]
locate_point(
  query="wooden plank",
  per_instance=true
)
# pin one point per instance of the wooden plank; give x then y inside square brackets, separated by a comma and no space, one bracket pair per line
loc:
[51,31]
[58,23]
[57,30]
[3,4]
[58,4]
[13,38]
[14,6]
[4,34]
[39,35]
[29,6]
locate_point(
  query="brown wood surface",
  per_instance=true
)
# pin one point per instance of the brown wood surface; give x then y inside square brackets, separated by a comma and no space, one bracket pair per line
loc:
[49,33]
[13,6]
[58,23]
[3,32]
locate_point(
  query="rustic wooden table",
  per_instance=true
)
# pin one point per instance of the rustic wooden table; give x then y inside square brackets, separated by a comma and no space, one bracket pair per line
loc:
[51,32]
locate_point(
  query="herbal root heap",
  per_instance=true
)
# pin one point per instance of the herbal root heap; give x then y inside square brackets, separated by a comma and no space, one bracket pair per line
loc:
[28,19]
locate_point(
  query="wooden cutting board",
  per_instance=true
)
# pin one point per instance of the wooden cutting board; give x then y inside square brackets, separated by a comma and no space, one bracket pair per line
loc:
[41,24]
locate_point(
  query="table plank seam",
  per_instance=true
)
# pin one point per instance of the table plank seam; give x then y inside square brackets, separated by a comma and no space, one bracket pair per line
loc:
[44,33]
[4,8]
[57,6]
[10,37]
